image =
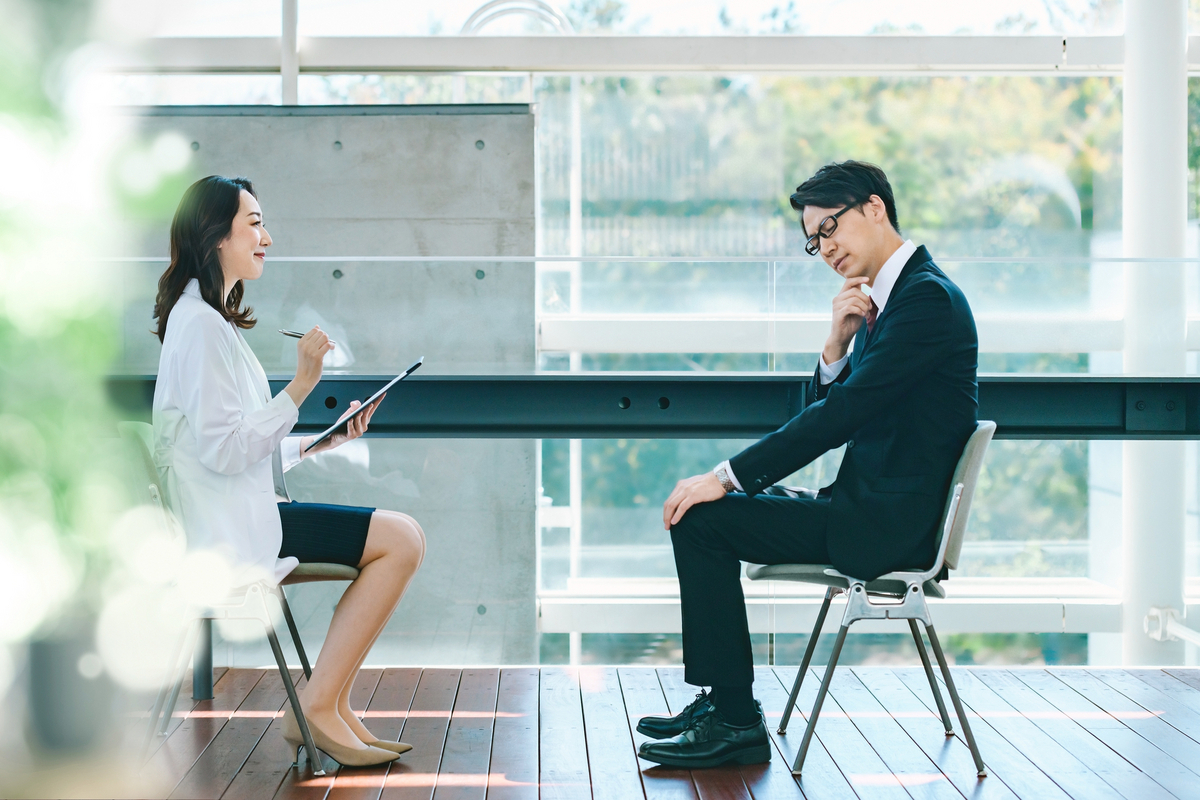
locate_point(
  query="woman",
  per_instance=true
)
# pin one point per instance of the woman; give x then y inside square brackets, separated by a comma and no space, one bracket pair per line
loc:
[221,444]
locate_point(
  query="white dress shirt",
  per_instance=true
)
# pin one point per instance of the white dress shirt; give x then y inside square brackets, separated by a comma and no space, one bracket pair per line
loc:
[216,432]
[881,290]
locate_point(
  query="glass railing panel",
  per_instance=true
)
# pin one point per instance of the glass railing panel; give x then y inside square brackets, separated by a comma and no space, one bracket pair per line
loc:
[467,316]
[767,313]
[619,286]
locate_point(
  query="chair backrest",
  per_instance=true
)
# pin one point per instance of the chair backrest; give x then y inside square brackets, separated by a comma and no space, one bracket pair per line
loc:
[966,473]
[141,437]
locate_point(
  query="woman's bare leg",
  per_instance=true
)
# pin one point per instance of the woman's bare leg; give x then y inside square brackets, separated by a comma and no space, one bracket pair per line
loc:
[344,711]
[343,705]
[393,552]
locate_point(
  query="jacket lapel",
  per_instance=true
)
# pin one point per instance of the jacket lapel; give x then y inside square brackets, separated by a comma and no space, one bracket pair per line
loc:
[921,256]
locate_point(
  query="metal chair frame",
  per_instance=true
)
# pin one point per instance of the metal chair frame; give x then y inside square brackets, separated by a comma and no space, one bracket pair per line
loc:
[260,601]
[884,599]
[265,604]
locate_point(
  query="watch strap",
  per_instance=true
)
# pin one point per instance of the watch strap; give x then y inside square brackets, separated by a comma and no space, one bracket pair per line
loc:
[723,476]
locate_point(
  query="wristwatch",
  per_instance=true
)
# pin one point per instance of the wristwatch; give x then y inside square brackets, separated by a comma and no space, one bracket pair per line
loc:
[723,476]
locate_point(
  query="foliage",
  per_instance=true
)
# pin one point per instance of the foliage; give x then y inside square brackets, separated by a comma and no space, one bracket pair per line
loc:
[592,16]
[55,343]
[961,152]
[61,482]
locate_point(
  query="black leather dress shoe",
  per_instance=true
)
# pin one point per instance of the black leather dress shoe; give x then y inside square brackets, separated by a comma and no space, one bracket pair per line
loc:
[666,727]
[710,742]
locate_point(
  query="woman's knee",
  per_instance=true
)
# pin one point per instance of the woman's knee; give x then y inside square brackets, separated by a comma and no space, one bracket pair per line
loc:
[402,538]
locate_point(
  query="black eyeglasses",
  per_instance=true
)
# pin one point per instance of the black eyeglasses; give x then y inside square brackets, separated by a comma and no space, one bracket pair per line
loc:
[824,231]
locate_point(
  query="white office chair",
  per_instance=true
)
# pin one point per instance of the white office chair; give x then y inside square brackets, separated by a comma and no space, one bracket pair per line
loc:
[896,595]
[266,604]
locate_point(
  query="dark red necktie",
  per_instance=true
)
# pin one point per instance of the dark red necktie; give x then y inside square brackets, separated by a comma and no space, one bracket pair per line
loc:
[871,316]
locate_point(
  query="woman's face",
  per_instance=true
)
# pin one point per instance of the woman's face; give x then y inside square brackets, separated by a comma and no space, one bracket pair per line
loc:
[244,251]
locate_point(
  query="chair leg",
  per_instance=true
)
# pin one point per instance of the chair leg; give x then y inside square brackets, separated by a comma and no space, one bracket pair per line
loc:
[812,719]
[180,670]
[167,684]
[937,693]
[310,749]
[155,712]
[291,623]
[808,654]
[980,767]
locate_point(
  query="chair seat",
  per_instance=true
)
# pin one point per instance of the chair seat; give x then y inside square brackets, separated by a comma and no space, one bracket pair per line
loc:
[310,573]
[815,573]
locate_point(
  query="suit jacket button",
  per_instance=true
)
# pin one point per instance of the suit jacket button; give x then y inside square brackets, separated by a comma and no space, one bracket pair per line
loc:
[850,444]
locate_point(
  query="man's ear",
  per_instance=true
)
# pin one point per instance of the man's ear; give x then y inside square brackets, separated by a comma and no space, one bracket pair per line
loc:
[878,209]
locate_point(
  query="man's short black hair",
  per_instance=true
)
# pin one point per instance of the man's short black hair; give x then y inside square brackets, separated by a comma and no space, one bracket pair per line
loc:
[849,183]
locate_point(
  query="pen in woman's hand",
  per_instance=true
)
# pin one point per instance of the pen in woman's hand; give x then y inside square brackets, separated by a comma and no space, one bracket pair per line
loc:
[298,335]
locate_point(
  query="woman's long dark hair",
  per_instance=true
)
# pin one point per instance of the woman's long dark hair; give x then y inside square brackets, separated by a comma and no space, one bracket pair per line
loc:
[202,221]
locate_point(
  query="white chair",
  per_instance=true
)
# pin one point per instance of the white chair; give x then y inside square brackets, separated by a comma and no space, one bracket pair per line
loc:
[266,604]
[895,595]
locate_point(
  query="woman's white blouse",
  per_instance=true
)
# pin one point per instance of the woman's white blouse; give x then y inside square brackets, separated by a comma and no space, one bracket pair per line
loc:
[216,433]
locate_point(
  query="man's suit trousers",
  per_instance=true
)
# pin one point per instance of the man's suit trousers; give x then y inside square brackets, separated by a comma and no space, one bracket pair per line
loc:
[710,542]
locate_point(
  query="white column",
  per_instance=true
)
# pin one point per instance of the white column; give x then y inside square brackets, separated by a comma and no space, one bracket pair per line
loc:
[1155,216]
[575,220]
[289,54]
[575,204]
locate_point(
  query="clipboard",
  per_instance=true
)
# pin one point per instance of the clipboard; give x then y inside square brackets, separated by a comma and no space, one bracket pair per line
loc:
[366,403]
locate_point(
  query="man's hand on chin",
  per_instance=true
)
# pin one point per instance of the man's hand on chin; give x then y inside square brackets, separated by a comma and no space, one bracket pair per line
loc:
[688,492]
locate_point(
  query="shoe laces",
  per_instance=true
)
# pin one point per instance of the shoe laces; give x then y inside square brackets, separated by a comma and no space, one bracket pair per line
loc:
[703,724]
[692,706]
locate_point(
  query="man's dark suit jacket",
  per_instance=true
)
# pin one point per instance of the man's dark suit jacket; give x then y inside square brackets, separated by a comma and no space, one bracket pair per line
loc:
[904,406]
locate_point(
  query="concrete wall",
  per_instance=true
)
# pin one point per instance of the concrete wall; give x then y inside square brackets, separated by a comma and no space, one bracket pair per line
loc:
[393,181]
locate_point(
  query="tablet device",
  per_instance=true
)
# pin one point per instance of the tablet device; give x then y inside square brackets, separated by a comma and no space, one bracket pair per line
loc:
[366,403]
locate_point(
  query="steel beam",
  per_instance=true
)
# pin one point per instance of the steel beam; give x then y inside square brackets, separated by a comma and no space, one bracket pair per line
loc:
[712,405]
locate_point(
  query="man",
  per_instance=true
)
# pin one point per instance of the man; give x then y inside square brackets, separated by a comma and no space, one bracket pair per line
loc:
[896,385]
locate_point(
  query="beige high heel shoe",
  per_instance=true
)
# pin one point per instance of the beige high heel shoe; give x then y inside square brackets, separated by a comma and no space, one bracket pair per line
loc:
[398,748]
[346,756]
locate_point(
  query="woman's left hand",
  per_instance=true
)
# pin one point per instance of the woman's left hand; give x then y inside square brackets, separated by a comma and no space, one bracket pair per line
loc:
[354,429]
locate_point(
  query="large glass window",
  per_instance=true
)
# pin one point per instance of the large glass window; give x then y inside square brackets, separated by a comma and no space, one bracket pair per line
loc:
[701,166]
[1014,183]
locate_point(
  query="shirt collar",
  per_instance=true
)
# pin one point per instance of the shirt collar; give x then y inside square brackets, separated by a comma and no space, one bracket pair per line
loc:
[885,281]
[193,288]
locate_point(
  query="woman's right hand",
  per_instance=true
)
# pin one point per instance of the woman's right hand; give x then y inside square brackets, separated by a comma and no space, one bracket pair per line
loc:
[310,353]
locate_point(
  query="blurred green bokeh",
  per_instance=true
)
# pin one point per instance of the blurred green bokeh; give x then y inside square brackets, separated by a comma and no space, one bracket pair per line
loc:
[58,497]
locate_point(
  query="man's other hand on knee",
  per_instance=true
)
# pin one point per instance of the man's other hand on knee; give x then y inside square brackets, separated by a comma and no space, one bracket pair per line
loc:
[688,492]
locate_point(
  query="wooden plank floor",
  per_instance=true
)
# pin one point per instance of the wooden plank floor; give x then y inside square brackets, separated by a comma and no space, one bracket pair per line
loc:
[568,732]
